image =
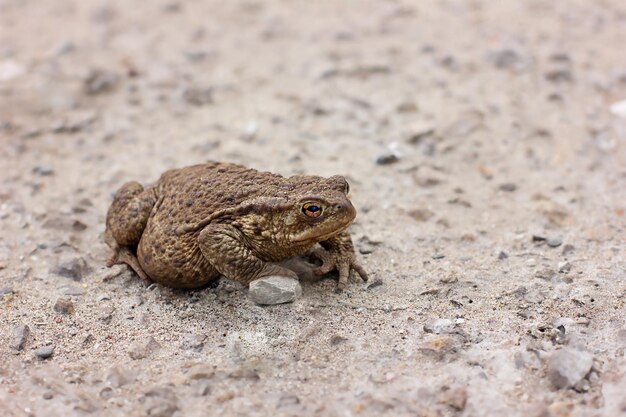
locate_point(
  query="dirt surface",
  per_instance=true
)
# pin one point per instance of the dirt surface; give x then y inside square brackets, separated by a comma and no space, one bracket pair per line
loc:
[465,129]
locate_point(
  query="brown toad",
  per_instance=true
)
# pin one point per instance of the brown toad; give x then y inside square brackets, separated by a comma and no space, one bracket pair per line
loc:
[203,221]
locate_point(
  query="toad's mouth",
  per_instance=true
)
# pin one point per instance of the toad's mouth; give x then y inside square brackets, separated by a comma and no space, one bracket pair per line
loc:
[320,236]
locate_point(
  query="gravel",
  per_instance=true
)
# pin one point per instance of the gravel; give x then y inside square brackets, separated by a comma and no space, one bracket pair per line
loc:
[554,242]
[193,342]
[387,159]
[143,348]
[568,366]
[494,121]
[508,187]
[20,335]
[64,306]
[439,326]
[75,268]
[564,267]
[100,81]
[44,352]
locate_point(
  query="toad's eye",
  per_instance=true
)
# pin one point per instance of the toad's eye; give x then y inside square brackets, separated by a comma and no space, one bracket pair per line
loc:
[312,209]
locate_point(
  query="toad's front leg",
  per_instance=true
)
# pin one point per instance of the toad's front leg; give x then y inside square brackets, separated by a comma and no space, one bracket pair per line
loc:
[225,247]
[338,253]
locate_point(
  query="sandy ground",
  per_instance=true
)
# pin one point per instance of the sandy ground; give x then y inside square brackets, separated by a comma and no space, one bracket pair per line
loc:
[465,129]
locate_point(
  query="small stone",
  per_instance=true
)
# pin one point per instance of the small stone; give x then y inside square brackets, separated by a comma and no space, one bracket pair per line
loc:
[136,301]
[439,326]
[421,214]
[407,107]
[367,245]
[455,397]
[47,395]
[10,69]
[420,135]
[554,242]
[387,159]
[560,57]
[44,352]
[537,238]
[428,176]
[78,226]
[198,96]
[567,249]
[32,133]
[546,273]
[142,349]
[200,371]
[20,334]
[504,59]
[105,314]
[87,340]
[64,306]
[439,347]
[100,81]
[119,376]
[44,171]
[274,290]
[376,283]
[6,291]
[450,278]
[244,373]
[172,7]
[508,187]
[563,75]
[564,267]
[106,393]
[199,55]
[582,386]
[619,108]
[502,255]
[468,237]
[193,342]
[74,122]
[287,400]
[75,268]
[337,340]
[568,366]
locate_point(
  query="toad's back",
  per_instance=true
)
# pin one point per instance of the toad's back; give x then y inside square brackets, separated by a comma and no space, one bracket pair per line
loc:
[193,193]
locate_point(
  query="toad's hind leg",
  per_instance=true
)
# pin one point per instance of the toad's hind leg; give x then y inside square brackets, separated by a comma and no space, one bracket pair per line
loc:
[126,220]
[128,215]
[123,255]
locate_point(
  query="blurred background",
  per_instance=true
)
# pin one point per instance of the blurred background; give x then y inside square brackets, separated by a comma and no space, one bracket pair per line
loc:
[485,143]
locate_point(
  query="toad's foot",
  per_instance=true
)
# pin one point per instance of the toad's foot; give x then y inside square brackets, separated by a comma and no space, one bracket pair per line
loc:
[123,255]
[338,253]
